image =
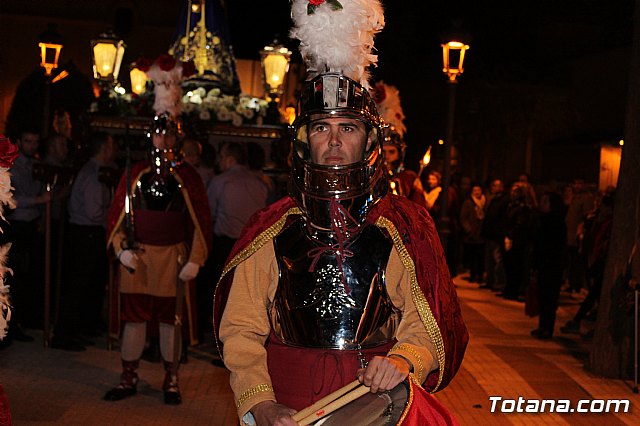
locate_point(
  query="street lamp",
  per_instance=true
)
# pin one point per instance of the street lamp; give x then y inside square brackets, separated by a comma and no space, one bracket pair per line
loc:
[275,64]
[453,59]
[453,53]
[107,51]
[50,44]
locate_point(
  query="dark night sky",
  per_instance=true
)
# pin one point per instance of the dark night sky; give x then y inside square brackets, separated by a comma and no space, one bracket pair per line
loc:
[520,43]
[560,48]
[516,34]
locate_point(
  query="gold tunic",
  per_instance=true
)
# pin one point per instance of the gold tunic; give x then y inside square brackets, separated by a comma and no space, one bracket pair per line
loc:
[254,285]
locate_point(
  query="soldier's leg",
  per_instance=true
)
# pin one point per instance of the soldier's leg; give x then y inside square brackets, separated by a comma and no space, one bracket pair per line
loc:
[133,338]
[167,341]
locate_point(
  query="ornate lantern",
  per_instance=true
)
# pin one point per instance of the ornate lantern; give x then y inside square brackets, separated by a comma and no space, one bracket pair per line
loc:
[275,64]
[50,44]
[453,58]
[108,51]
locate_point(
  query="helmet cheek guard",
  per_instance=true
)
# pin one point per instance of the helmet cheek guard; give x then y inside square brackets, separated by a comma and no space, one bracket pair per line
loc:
[166,135]
[356,187]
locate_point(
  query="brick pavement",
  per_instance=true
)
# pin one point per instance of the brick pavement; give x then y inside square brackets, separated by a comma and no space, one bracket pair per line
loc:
[52,387]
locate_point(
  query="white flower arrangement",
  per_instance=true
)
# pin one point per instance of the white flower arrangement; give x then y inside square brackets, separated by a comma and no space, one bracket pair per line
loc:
[213,105]
[167,74]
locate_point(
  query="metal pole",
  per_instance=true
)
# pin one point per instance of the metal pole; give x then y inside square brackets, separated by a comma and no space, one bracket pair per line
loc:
[443,222]
[47,273]
[59,258]
[45,109]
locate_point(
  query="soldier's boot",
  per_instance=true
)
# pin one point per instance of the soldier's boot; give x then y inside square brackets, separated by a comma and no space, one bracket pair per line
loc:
[128,382]
[170,387]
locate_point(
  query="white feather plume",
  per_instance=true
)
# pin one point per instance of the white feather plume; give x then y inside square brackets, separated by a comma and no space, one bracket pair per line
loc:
[6,200]
[6,196]
[390,107]
[167,90]
[5,305]
[338,40]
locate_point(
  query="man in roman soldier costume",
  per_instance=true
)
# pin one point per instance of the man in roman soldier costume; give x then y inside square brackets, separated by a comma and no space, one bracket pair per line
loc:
[341,280]
[160,252]
[402,181]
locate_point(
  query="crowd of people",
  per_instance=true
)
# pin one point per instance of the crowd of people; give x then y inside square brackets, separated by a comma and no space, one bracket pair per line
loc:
[527,245]
[67,194]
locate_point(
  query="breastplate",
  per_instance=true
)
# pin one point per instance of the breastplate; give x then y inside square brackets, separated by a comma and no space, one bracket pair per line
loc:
[158,193]
[326,302]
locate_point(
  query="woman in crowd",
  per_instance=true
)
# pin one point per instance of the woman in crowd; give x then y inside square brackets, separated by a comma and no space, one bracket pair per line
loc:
[517,242]
[549,258]
[471,219]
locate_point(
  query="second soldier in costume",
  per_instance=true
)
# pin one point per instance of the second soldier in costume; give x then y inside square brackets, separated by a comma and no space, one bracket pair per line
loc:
[168,244]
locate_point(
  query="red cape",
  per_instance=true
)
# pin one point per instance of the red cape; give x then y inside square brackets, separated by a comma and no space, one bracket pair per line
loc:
[424,409]
[413,230]
[198,206]
[406,179]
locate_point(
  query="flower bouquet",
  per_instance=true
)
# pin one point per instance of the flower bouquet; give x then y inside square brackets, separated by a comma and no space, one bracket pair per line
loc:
[200,105]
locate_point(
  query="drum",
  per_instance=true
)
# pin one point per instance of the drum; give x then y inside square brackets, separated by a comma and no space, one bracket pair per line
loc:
[371,409]
[408,404]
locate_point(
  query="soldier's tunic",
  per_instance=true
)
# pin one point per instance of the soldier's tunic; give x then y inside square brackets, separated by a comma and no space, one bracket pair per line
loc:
[262,301]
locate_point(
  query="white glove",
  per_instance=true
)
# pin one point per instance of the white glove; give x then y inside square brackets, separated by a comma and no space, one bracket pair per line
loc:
[128,258]
[189,271]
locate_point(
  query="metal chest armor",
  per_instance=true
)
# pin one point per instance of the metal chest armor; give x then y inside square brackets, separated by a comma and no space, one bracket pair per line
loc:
[323,301]
[158,193]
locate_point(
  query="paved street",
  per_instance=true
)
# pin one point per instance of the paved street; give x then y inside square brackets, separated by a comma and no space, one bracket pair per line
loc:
[53,387]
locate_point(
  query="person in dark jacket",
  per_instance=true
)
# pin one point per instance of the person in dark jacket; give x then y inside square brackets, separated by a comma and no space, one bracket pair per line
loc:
[517,241]
[597,238]
[493,232]
[549,255]
[471,218]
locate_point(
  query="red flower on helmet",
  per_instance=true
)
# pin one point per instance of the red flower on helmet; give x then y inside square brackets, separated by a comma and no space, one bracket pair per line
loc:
[166,62]
[143,63]
[8,152]
[313,4]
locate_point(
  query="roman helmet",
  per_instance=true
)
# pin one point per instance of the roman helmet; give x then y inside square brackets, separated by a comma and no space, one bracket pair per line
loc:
[165,132]
[387,99]
[165,136]
[337,198]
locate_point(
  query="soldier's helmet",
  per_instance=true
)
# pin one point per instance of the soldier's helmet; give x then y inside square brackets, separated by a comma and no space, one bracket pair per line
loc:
[337,60]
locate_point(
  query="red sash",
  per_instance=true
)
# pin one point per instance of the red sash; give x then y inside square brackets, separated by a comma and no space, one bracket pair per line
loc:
[158,228]
[302,376]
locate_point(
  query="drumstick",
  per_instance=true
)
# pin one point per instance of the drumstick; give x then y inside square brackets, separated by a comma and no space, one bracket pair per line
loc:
[333,406]
[324,401]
